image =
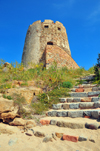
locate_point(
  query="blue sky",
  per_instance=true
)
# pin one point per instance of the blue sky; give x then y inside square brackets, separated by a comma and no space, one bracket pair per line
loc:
[81,19]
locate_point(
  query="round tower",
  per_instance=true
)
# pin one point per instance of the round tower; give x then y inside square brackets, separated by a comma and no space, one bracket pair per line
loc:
[39,36]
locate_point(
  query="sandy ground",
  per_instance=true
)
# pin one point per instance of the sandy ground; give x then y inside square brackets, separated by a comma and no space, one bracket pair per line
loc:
[33,143]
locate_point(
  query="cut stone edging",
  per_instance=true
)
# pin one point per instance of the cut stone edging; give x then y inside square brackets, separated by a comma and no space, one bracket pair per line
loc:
[94,113]
[72,125]
[81,105]
[79,99]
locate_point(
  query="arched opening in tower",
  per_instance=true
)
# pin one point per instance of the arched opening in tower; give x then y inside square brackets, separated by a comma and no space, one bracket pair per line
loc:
[49,43]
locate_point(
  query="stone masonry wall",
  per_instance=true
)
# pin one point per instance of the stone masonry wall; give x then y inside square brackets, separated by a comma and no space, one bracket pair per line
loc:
[39,35]
[54,33]
[31,51]
[54,53]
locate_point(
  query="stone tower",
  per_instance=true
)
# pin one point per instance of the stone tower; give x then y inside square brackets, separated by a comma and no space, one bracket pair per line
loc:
[47,42]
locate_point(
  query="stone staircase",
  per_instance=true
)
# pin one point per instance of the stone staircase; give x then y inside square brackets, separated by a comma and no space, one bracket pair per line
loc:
[80,104]
[80,110]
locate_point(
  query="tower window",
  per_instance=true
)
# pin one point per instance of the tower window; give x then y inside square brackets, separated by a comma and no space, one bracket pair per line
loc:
[46,26]
[50,43]
[59,28]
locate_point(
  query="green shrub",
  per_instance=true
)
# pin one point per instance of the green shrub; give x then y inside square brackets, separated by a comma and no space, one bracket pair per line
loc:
[97,68]
[18,99]
[7,97]
[67,84]
[47,100]
[4,96]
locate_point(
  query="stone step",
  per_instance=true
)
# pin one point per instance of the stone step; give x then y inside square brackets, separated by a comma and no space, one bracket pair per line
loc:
[79,99]
[79,105]
[84,94]
[69,134]
[73,123]
[88,78]
[81,89]
[86,86]
[92,113]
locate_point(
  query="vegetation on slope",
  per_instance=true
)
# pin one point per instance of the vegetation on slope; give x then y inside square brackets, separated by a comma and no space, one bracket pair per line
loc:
[56,82]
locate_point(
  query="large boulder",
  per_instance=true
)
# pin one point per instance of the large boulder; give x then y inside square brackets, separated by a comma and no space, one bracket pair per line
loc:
[6,105]
[18,122]
[27,92]
[30,123]
[6,117]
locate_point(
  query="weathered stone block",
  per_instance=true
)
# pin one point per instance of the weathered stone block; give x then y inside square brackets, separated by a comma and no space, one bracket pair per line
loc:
[87,99]
[76,100]
[59,114]
[60,124]
[87,105]
[45,122]
[65,106]
[73,125]
[91,139]
[70,138]
[79,94]
[70,100]
[79,90]
[87,113]
[73,90]
[63,100]
[95,99]
[92,126]
[53,122]
[53,113]
[49,113]
[39,134]
[47,139]
[82,138]
[75,114]
[95,88]
[96,104]
[86,85]
[87,89]
[74,106]
[95,93]
[64,113]
[56,106]
[76,86]
[59,135]
[95,114]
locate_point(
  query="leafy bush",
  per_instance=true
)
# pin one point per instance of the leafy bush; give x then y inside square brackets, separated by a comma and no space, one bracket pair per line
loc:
[46,100]
[7,97]
[67,84]
[97,68]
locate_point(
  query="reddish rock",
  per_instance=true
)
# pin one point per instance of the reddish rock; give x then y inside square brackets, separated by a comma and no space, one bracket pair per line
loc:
[79,90]
[45,122]
[86,116]
[70,138]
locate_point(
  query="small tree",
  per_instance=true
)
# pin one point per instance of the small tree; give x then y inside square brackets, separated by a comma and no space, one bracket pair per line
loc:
[97,68]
